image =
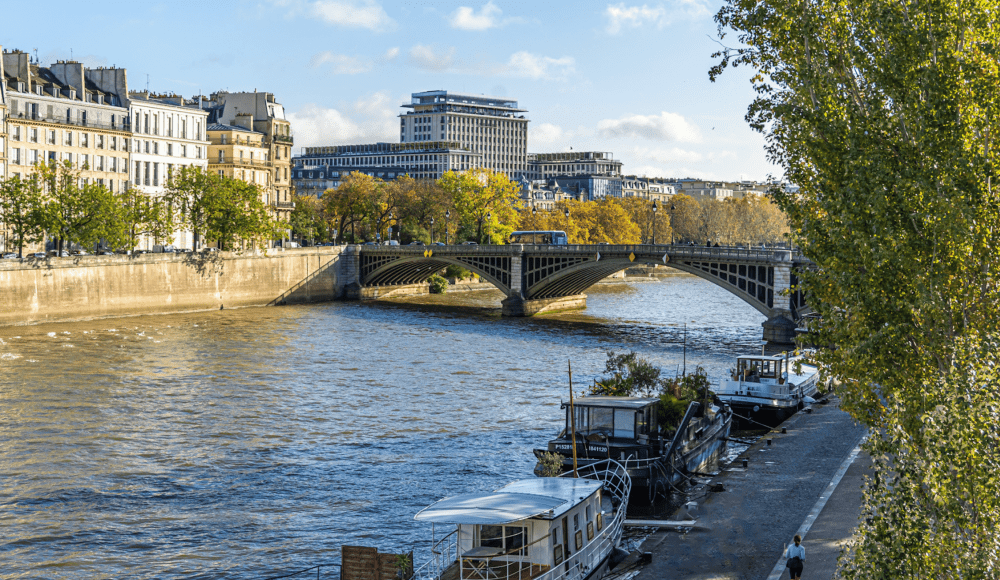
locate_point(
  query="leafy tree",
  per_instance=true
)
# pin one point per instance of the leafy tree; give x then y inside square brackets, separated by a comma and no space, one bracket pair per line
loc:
[307,220]
[485,200]
[20,206]
[136,214]
[188,193]
[640,211]
[630,375]
[235,210]
[686,218]
[73,210]
[884,114]
[350,203]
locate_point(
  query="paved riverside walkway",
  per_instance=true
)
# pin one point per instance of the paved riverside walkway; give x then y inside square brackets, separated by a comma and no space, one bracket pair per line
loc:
[741,532]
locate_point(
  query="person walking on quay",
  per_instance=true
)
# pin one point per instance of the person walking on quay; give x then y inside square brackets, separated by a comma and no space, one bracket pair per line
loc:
[795,556]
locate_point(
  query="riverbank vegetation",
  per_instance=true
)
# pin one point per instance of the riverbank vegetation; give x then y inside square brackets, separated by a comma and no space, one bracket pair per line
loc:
[485,207]
[630,375]
[56,203]
[884,114]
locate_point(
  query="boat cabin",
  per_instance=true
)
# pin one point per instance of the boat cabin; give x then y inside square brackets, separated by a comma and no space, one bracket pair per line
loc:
[610,428]
[524,530]
[761,368]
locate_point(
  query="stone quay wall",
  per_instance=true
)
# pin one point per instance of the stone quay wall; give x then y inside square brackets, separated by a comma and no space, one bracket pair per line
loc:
[43,290]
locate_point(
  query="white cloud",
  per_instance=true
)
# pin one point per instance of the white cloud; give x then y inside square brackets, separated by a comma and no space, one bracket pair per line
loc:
[391,53]
[674,155]
[520,64]
[663,127]
[370,119]
[465,18]
[621,16]
[352,14]
[533,66]
[342,64]
[545,134]
[426,57]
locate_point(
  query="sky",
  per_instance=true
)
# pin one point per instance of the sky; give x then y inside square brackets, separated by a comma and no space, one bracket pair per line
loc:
[629,78]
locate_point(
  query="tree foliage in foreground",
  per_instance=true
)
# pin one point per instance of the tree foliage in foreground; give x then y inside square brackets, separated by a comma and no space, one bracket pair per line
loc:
[885,114]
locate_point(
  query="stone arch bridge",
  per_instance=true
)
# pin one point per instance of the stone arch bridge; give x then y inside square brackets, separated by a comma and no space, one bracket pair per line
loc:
[541,278]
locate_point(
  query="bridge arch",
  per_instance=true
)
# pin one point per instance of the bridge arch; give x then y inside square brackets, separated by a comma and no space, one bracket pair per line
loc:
[392,271]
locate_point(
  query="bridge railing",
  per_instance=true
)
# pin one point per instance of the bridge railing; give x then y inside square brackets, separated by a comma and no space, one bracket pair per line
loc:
[643,251]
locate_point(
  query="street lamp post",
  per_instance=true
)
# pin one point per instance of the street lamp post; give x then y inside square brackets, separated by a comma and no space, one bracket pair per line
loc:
[391,217]
[489,217]
[672,208]
[447,215]
[654,222]
[432,229]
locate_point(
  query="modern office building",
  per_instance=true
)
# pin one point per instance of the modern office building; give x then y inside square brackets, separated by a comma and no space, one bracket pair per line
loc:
[550,165]
[422,160]
[491,126]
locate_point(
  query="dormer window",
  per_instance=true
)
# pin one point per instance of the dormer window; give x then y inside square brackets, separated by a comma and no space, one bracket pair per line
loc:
[38,90]
[20,87]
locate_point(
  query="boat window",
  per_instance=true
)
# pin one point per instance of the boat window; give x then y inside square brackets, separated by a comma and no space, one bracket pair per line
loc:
[600,522]
[557,554]
[491,536]
[590,531]
[594,419]
[555,536]
[579,540]
[642,421]
[625,423]
[506,538]
[588,513]
[576,521]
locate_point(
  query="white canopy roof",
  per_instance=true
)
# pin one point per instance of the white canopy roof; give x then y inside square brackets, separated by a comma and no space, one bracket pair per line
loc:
[518,500]
[487,508]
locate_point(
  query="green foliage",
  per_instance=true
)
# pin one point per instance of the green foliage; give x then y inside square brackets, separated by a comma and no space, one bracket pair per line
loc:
[676,395]
[552,464]
[439,285]
[20,206]
[485,202]
[631,375]
[136,214]
[457,272]
[220,208]
[884,113]
[72,209]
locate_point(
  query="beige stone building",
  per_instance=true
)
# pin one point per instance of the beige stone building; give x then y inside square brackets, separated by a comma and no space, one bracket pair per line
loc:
[258,113]
[241,153]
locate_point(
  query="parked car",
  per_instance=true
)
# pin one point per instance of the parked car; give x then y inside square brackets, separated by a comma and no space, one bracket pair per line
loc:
[391,243]
[439,244]
[369,244]
[106,253]
[80,253]
[38,255]
[416,243]
[210,249]
[470,243]
[9,256]
[59,253]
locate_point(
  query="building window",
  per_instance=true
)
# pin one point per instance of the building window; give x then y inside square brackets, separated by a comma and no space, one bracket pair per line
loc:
[138,173]
[146,173]
[170,147]
[221,156]
[184,152]
[156,174]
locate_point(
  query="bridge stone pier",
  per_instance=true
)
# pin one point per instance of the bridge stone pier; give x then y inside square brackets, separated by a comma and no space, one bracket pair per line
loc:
[543,278]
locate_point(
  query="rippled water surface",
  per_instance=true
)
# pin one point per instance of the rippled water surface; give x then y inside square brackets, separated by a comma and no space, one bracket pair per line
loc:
[248,443]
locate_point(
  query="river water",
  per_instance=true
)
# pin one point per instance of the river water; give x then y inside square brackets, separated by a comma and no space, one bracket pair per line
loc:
[251,443]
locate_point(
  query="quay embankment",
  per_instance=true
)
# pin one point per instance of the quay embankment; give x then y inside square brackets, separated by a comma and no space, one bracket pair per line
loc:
[807,481]
[85,287]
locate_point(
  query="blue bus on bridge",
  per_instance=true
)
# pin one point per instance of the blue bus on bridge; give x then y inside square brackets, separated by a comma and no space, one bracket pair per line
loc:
[554,238]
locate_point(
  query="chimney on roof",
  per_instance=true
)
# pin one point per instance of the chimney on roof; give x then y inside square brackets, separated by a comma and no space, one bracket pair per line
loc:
[70,74]
[111,80]
[16,65]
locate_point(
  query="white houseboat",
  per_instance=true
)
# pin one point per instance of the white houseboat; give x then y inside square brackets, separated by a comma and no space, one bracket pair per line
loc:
[546,528]
[766,389]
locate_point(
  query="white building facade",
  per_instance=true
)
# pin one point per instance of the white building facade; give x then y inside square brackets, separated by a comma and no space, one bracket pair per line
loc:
[167,136]
[491,126]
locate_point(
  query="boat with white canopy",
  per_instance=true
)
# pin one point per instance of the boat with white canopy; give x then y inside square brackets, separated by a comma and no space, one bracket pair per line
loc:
[545,528]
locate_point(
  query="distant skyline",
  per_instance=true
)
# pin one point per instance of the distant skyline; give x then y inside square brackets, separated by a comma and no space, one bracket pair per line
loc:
[630,78]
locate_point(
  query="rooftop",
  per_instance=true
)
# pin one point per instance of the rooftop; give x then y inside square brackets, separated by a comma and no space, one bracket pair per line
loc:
[543,496]
[221,127]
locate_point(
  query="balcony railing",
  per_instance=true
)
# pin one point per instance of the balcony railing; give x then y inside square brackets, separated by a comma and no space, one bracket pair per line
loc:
[242,162]
[121,126]
[284,204]
[283,139]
